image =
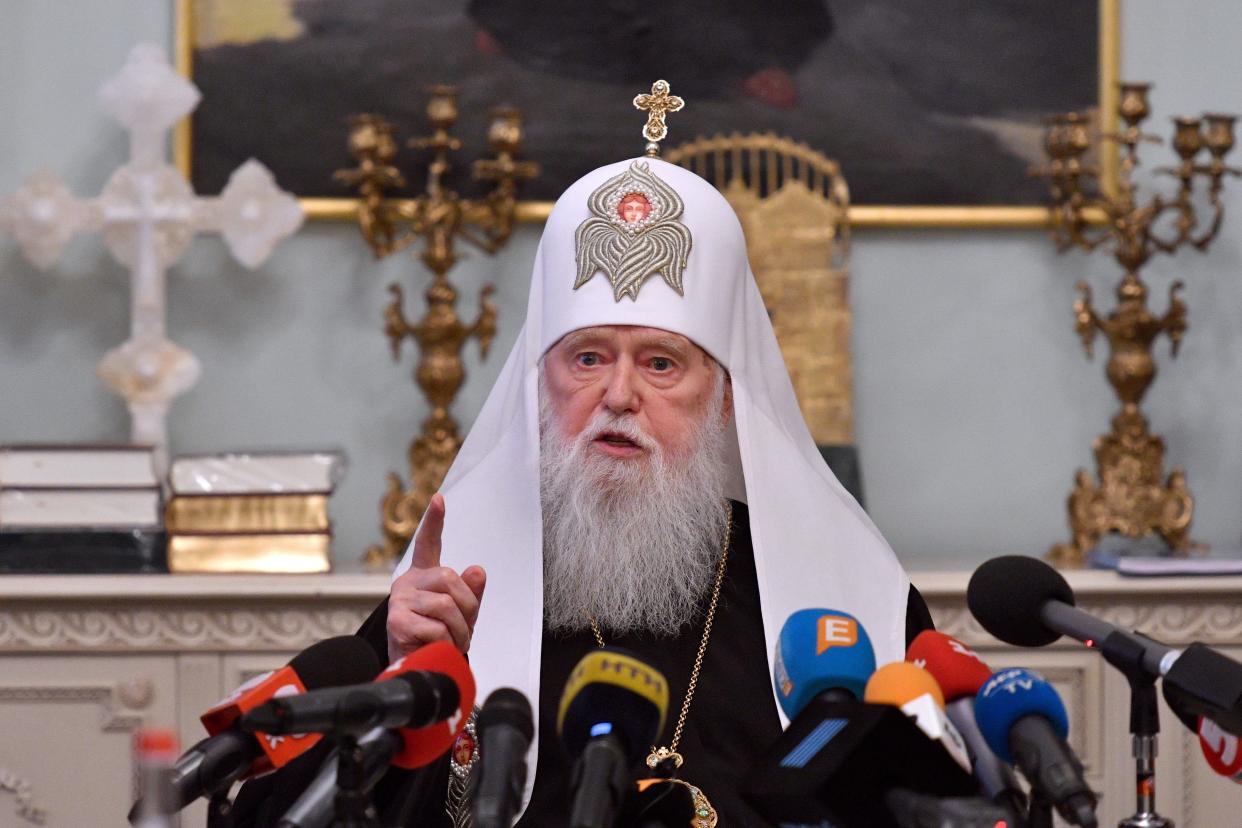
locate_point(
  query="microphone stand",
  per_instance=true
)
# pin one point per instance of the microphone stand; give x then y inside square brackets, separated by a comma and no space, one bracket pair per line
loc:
[1126,654]
[352,803]
[220,809]
[1041,811]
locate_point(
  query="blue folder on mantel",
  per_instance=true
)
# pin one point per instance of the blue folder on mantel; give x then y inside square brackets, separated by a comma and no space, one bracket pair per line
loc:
[1153,567]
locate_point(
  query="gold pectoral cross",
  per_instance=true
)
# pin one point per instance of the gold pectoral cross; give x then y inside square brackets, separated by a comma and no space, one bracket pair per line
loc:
[658,104]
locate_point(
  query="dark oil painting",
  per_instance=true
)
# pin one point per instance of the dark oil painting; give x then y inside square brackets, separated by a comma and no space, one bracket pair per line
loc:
[922,103]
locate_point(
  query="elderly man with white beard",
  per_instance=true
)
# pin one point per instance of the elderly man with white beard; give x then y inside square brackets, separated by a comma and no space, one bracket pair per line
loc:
[640,476]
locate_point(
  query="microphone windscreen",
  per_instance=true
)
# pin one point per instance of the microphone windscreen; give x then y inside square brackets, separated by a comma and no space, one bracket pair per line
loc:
[1006,595]
[336,662]
[900,682]
[612,692]
[507,706]
[423,745]
[956,668]
[1011,695]
[819,650]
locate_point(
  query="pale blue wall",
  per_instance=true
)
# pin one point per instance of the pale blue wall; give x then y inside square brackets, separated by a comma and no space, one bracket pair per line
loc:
[974,401]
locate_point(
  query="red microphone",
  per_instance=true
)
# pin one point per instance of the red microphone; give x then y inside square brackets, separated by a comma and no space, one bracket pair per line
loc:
[1220,749]
[960,673]
[422,745]
[957,669]
[406,747]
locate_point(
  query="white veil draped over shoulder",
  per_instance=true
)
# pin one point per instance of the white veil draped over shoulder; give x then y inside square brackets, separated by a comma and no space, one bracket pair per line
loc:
[813,544]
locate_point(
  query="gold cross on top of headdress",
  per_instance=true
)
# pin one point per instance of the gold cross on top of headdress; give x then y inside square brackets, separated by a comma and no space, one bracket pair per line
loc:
[658,104]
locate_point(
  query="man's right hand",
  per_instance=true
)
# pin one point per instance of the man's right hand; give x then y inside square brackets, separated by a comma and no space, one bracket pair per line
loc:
[430,602]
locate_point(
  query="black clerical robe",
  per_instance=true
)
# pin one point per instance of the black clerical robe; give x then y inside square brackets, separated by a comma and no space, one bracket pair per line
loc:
[732,717]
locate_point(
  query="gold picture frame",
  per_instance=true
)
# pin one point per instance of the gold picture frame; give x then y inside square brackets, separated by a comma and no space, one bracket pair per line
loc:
[865,215]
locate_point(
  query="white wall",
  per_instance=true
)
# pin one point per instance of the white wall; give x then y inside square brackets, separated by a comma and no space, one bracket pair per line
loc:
[975,403]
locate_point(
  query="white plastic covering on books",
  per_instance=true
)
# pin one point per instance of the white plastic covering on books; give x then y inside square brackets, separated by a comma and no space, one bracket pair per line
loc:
[80,508]
[257,473]
[76,466]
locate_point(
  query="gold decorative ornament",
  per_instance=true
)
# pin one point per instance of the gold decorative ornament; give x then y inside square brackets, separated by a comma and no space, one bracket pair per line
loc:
[1129,497]
[633,233]
[438,218]
[793,203]
[661,757]
[657,105]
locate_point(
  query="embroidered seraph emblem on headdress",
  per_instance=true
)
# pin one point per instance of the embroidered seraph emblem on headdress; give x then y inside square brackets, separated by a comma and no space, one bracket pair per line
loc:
[633,233]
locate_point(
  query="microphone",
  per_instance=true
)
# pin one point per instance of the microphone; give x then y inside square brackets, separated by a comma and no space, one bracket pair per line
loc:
[1024,722]
[505,727]
[229,753]
[913,689]
[820,653]
[316,807]
[1025,602]
[840,756]
[380,747]
[423,688]
[960,673]
[611,711]
[1220,749]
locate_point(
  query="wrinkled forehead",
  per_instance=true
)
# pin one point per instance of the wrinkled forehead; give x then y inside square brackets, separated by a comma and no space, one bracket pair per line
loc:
[629,338]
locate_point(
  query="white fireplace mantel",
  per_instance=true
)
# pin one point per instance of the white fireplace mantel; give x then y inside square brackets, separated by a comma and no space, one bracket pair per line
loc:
[86,659]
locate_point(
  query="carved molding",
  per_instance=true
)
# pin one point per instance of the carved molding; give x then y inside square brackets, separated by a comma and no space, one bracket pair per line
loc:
[110,721]
[176,628]
[1211,622]
[23,792]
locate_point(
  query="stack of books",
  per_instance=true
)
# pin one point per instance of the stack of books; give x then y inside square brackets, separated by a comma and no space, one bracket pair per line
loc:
[257,512]
[80,508]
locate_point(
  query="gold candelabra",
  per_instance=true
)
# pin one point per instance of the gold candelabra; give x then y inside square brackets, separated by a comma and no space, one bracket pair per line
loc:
[1130,497]
[438,217]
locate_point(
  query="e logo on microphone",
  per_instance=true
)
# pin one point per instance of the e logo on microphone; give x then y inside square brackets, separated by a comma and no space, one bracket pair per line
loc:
[836,631]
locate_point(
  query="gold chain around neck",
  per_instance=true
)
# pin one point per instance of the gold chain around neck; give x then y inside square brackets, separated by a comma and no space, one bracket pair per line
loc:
[707,634]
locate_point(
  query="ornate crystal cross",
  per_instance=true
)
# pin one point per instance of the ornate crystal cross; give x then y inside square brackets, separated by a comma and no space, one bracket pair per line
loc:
[148,215]
[657,105]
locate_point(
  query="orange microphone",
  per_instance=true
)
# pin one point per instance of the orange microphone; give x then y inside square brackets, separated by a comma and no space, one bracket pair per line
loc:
[911,688]
[901,682]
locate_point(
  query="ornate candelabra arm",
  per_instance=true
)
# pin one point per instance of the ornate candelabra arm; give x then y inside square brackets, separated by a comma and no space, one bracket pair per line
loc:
[1218,211]
[1174,322]
[372,144]
[1086,320]
[1147,217]
[479,233]
[1087,238]
[396,326]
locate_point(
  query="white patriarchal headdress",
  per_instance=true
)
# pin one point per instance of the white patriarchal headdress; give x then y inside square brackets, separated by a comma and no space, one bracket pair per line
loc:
[683,269]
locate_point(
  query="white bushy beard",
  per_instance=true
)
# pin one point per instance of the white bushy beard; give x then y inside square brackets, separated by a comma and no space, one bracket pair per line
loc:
[632,542]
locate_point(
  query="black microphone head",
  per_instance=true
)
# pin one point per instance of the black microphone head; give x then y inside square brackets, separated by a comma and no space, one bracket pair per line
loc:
[507,706]
[611,692]
[336,662]
[1006,595]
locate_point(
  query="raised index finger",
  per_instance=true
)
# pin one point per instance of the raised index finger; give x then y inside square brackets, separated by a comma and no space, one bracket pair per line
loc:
[427,541]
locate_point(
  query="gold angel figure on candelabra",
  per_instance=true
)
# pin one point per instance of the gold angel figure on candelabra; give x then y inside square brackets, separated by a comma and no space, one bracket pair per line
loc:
[1130,497]
[438,217]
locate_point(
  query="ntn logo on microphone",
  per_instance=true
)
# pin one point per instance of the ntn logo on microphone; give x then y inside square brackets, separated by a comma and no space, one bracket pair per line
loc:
[835,631]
